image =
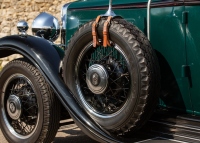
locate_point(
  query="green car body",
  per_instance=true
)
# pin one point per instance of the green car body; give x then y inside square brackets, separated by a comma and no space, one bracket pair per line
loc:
[174,34]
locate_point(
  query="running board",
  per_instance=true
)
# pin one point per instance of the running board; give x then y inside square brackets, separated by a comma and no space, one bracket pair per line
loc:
[172,128]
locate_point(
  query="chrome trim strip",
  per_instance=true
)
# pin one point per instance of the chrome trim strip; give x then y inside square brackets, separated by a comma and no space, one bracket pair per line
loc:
[188,118]
[176,135]
[172,140]
[148,19]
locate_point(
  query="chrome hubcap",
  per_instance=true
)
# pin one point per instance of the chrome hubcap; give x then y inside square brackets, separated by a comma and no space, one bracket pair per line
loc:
[14,107]
[97,78]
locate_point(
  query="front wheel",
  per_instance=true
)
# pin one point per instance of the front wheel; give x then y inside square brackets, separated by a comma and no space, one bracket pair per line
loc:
[29,110]
[117,85]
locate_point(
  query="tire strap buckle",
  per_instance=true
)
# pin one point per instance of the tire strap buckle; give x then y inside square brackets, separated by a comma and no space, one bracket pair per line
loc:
[94,32]
[106,41]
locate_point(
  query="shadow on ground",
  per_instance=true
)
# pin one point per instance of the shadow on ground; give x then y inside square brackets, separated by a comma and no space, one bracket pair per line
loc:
[66,134]
[72,134]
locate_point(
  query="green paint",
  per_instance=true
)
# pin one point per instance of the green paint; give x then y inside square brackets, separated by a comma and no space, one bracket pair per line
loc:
[193,54]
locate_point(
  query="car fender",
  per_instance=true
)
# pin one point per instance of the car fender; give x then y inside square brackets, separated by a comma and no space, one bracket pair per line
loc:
[45,57]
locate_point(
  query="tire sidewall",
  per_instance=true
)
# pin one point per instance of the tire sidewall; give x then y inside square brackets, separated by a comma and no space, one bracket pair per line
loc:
[9,70]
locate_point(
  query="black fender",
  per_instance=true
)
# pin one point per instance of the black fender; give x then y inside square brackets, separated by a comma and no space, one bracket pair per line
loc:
[45,57]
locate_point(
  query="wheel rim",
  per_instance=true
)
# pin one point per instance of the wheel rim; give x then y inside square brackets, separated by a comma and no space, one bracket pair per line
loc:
[19,106]
[103,80]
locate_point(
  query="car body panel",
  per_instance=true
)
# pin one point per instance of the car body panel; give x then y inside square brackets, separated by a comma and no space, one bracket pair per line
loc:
[167,34]
[193,52]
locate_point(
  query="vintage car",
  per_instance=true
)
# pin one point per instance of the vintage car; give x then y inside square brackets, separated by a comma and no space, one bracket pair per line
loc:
[117,62]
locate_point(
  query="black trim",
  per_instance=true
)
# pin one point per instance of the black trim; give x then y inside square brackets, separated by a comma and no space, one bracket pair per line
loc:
[168,3]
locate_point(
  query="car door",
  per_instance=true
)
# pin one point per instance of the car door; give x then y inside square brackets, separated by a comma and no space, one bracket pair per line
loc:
[167,36]
[192,10]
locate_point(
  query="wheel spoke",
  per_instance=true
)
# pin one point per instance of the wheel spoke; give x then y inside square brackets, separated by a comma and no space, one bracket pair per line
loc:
[112,81]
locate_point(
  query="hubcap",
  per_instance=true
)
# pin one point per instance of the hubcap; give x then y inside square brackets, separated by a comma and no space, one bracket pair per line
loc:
[97,79]
[14,107]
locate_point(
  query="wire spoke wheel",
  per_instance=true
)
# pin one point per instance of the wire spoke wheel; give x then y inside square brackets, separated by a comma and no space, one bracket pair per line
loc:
[115,91]
[117,86]
[20,105]
[29,109]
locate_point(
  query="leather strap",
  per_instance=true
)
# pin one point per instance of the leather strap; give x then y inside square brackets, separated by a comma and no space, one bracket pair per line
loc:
[94,32]
[106,41]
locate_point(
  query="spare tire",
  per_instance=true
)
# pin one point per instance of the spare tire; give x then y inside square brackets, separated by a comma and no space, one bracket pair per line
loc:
[118,86]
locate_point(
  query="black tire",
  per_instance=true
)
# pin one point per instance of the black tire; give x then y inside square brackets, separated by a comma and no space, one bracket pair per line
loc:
[140,64]
[30,112]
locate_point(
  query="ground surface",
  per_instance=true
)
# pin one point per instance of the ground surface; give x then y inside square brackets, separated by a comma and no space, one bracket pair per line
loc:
[72,134]
[66,134]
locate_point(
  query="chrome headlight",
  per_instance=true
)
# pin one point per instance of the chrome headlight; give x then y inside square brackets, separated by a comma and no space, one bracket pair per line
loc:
[47,26]
[22,26]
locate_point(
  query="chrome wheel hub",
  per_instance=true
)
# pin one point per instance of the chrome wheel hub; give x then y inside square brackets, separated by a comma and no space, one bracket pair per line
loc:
[14,107]
[97,78]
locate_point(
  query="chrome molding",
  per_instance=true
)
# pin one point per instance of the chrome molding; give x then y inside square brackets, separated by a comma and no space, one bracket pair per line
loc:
[148,19]
[176,125]
[181,136]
